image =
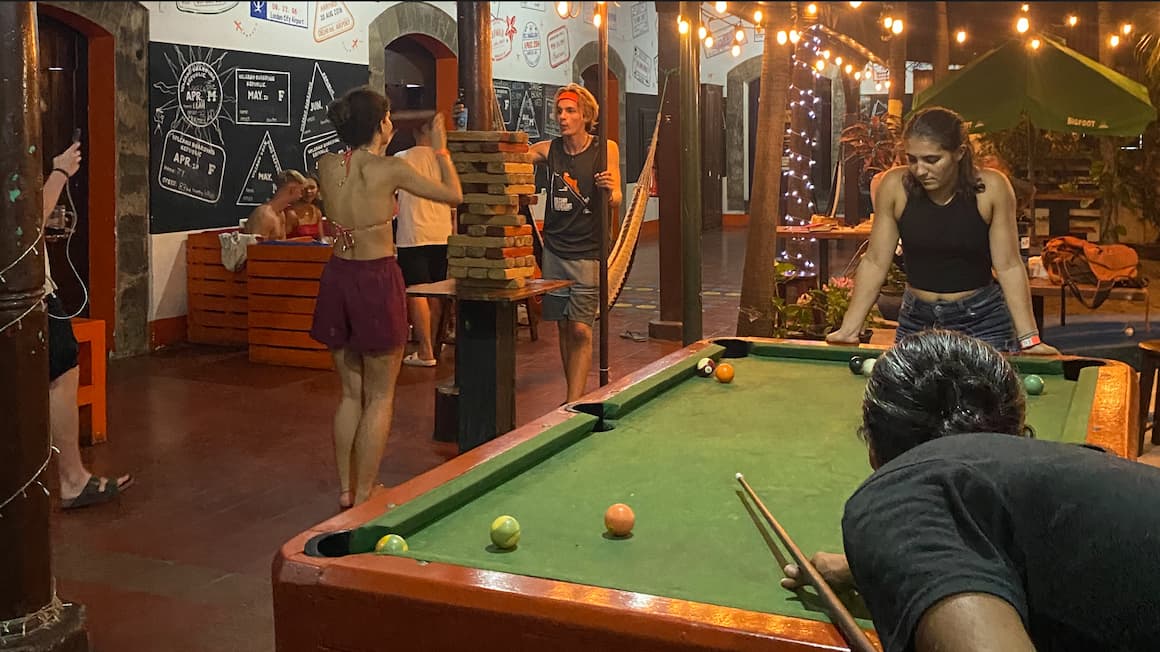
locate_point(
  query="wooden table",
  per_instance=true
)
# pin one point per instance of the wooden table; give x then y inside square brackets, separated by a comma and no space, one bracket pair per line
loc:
[1041,287]
[824,238]
[1059,205]
[485,354]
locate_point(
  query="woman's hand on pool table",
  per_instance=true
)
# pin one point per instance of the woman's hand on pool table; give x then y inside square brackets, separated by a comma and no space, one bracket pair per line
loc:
[833,568]
[1041,349]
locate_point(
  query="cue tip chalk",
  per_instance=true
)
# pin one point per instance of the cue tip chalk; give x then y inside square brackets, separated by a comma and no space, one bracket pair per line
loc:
[738,476]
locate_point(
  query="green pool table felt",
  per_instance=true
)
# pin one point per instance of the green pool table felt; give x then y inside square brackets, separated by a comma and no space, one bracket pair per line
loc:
[788,422]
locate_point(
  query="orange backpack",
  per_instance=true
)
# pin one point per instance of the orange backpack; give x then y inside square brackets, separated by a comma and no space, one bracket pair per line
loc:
[1073,262]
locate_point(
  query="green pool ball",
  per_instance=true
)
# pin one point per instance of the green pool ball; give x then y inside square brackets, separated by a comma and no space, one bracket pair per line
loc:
[1033,384]
[505,532]
[392,544]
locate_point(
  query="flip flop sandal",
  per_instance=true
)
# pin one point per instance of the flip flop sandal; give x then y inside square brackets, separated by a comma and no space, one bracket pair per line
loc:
[92,494]
[413,360]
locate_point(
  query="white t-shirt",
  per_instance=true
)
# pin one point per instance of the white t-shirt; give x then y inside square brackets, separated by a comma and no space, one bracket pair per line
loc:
[422,221]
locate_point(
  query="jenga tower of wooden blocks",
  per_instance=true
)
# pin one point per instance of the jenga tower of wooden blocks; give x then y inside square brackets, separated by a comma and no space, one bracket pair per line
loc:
[494,246]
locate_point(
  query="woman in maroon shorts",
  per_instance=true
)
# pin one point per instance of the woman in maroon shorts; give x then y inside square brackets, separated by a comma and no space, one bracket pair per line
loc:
[361,314]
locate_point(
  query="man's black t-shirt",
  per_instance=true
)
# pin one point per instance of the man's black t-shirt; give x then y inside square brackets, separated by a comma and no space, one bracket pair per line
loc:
[1069,536]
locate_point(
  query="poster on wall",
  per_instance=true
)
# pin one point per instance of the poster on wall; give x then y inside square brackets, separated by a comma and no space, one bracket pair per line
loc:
[503,36]
[205,7]
[287,13]
[558,49]
[536,6]
[532,44]
[641,66]
[224,123]
[722,41]
[331,19]
[640,23]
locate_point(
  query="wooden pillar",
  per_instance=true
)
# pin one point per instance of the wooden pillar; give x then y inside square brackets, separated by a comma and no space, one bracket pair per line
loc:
[475,64]
[690,167]
[668,326]
[898,63]
[26,586]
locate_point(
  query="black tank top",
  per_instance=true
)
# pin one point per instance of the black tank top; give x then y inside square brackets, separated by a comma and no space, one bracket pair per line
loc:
[570,228]
[946,248]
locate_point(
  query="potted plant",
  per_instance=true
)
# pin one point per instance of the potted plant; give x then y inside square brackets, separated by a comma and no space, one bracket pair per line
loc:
[815,312]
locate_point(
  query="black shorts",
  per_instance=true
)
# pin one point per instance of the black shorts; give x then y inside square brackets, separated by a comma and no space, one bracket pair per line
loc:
[425,264]
[63,350]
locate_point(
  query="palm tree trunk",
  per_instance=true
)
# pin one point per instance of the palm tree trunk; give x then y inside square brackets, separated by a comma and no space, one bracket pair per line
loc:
[755,316]
[942,42]
[898,63]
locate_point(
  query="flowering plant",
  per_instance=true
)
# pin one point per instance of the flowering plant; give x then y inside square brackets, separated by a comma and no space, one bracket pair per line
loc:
[817,311]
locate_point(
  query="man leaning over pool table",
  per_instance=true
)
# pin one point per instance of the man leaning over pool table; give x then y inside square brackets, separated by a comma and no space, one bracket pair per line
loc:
[991,540]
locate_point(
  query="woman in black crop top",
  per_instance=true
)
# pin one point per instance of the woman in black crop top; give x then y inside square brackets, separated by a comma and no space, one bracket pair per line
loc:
[957,226]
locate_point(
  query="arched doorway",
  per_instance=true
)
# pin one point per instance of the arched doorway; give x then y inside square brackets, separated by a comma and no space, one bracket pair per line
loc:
[419,74]
[428,26]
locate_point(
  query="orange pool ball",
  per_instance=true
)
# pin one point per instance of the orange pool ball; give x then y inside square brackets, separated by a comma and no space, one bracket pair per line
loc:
[724,372]
[619,520]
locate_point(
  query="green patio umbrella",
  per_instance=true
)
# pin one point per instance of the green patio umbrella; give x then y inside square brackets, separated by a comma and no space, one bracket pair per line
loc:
[1057,88]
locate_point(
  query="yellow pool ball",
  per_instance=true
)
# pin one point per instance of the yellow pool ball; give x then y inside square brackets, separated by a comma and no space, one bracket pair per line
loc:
[505,532]
[724,372]
[392,544]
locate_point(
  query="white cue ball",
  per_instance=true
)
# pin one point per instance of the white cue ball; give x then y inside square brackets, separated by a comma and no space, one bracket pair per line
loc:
[868,365]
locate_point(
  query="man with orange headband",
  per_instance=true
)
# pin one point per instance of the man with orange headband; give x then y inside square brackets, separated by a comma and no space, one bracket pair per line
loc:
[571,230]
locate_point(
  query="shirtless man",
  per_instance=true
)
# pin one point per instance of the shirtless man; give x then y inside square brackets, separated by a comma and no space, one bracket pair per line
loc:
[269,220]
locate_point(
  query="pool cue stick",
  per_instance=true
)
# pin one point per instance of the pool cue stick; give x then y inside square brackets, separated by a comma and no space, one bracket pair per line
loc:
[837,611]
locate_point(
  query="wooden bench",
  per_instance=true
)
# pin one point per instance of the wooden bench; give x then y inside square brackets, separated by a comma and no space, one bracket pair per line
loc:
[91,394]
[1041,287]
[282,283]
[216,296]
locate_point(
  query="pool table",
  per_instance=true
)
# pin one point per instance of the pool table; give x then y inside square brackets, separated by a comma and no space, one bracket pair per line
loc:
[700,570]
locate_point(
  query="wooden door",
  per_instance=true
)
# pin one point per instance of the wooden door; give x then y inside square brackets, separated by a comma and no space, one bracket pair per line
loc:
[64,91]
[712,154]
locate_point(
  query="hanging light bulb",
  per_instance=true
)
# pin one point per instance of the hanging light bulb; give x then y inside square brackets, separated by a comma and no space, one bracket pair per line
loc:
[1072,20]
[1022,25]
[1025,8]
[709,41]
[1126,29]
[757,16]
[855,4]
[897,27]
[858,75]
[826,55]
[721,7]
[887,83]
[820,65]
[736,50]
[887,22]
[596,19]
[782,37]
[1035,44]
[849,68]
[739,35]
[837,61]
[961,36]
[683,26]
[702,32]
[811,9]
[794,37]
[1114,40]
[563,9]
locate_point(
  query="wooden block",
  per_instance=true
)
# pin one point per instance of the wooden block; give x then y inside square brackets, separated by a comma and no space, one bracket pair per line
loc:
[487,136]
[472,146]
[482,177]
[493,157]
[482,229]
[478,198]
[493,209]
[494,168]
[471,219]
[529,200]
[508,284]
[499,274]
[498,263]
[490,241]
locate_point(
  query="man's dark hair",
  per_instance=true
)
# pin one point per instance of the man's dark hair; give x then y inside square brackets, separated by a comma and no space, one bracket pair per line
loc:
[938,383]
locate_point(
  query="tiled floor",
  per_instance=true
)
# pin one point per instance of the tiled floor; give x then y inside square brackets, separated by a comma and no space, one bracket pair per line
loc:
[232,459]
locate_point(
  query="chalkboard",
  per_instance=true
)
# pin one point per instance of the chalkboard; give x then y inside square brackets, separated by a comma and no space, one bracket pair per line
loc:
[527,107]
[223,123]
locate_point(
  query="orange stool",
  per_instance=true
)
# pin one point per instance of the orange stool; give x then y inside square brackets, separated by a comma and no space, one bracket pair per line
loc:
[90,334]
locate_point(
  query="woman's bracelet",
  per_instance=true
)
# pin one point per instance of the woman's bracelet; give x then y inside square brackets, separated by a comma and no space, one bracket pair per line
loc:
[61,170]
[443,151]
[1029,340]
